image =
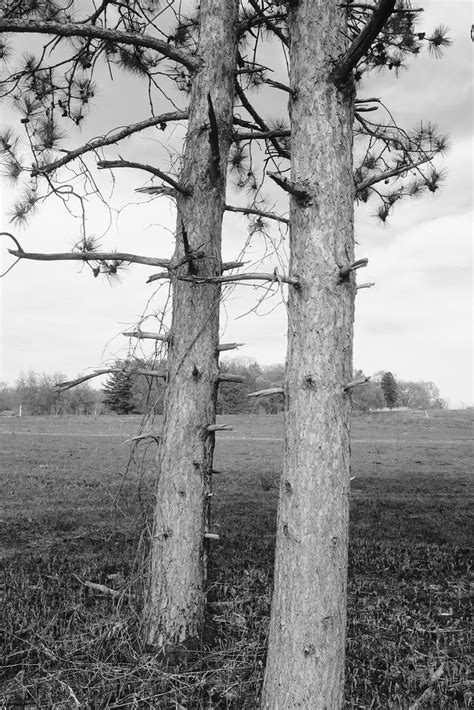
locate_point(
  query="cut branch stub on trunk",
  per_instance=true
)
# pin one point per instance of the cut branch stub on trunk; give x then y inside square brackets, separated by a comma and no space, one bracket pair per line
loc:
[345,271]
[356,383]
[229,346]
[144,335]
[218,427]
[211,536]
[229,377]
[298,191]
[369,284]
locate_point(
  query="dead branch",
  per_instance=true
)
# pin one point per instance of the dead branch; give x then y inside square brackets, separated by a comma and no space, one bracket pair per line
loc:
[429,692]
[258,213]
[73,29]
[242,277]
[111,138]
[262,135]
[103,164]
[267,393]
[361,44]
[91,256]
[369,284]
[62,386]
[98,587]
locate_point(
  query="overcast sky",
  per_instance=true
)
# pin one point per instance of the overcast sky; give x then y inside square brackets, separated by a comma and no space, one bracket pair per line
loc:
[416,321]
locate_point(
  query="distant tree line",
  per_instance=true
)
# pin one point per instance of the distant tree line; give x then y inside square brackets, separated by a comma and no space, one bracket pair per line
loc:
[127,392]
[383,390]
[36,393]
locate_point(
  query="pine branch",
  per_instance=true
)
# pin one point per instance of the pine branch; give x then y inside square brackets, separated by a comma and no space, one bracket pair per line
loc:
[258,213]
[361,44]
[115,137]
[390,173]
[92,256]
[72,29]
[103,164]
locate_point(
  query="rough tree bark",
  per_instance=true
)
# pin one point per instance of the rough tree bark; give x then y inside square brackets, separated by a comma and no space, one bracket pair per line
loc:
[175,599]
[305,662]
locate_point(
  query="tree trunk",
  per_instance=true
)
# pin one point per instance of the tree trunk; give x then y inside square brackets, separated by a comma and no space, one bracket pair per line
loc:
[305,664]
[175,599]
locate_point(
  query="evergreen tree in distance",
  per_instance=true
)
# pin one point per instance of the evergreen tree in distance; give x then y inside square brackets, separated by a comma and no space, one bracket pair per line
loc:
[118,392]
[389,389]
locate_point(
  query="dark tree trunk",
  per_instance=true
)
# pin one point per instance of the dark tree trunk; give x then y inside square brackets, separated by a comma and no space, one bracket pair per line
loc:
[305,662]
[176,587]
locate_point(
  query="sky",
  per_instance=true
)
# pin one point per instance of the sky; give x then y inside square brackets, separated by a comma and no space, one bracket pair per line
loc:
[416,321]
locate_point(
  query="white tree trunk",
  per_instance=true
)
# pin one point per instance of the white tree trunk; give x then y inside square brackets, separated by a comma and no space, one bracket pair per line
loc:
[305,664]
[175,601]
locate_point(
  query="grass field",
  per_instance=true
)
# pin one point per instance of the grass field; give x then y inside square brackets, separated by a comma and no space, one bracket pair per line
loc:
[72,511]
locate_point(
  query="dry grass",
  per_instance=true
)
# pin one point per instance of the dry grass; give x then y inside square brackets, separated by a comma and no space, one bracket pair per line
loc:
[69,516]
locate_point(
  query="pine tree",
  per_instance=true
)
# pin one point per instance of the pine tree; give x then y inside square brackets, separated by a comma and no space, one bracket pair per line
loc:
[213,60]
[118,391]
[389,389]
